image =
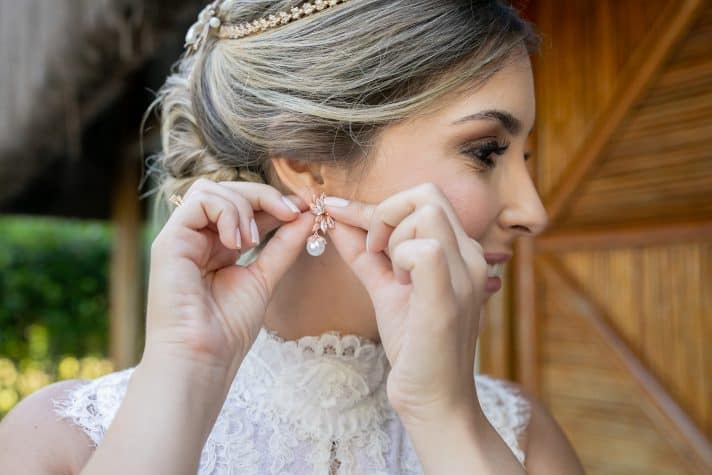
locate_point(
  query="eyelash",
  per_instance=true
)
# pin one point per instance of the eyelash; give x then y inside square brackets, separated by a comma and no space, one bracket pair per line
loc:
[483,152]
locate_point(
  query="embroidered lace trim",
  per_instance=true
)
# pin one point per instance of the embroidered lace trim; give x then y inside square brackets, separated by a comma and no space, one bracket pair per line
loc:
[267,427]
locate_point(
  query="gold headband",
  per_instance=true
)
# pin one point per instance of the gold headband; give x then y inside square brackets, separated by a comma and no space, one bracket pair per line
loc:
[210,22]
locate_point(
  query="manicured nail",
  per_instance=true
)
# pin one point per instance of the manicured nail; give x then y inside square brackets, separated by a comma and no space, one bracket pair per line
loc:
[334,201]
[238,238]
[289,204]
[255,232]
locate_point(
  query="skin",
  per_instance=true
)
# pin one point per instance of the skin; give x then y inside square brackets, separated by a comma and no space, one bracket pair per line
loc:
[418,289]
[495,206]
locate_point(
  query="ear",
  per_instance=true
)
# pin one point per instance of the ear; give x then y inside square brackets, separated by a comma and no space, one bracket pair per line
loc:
[303,177]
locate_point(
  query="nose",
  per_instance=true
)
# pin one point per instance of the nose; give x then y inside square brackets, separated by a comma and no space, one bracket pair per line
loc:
[523,212]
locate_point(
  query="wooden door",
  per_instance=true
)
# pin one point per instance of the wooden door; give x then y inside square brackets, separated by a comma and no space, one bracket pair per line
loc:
[608,315]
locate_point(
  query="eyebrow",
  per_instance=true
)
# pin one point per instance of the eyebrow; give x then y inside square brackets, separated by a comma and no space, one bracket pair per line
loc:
[508,121]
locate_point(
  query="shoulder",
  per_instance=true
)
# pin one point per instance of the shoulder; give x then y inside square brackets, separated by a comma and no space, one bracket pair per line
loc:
[507,409]
[34,440]
[546,447]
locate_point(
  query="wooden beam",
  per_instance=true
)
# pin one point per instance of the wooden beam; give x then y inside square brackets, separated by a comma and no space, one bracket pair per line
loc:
[641,70]
[693,437]
[526,336]
[495,345]
[611,237]
[126,271]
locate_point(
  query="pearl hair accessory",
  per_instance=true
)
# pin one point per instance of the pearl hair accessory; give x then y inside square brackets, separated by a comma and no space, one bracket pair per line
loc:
[317,244]
[211,22]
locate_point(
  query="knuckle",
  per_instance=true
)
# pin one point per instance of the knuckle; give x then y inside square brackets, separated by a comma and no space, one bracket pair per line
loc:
[432,250]
[432,212]
[429,188]
[197,184]
[202,182]
[200,196]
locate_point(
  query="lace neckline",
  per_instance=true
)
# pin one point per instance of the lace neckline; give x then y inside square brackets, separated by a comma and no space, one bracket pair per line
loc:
[348,343]
[329,384]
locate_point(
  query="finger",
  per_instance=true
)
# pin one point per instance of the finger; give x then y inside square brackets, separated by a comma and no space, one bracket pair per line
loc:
[355,213]
[385,216]
[267,222]
[430,221]
[475,263]
[395,208]
[264,197]
[204,208]
[426,262]
[280,252]
[373,270]
[259,197]
[242,234]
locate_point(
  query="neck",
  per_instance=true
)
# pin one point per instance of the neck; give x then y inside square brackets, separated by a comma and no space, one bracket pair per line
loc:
[320,294]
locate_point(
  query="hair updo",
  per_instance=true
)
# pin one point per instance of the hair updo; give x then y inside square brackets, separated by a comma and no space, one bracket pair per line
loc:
[321,87]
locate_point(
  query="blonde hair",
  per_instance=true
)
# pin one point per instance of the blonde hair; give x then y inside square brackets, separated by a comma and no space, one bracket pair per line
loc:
[320,88]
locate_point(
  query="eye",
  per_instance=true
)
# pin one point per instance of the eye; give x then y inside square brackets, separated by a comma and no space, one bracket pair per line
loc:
[485,152]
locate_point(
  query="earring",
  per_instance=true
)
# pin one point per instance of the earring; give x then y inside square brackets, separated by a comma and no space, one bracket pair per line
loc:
[317,244]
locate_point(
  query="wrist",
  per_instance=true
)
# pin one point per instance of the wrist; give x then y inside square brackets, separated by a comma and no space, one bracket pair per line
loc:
[465,406]
[472,444]
[203,379]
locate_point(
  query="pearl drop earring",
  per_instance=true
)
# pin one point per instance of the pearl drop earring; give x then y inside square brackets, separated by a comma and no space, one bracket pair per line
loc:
[317,244]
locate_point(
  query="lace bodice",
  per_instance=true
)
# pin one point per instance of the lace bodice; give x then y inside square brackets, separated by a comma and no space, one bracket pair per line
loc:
[316,405]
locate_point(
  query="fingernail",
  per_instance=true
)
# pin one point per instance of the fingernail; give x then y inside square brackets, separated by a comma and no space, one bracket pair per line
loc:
[289,204]
[334,201]
[238,238]
[367,243]
[255,232]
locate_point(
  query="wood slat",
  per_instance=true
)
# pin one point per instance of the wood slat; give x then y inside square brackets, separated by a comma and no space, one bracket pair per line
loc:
[636,235]
[696,446]
[585,46]
[642,69]
[595,402]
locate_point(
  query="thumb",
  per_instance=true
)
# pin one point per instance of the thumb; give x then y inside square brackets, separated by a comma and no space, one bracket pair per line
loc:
[282,250]
[372,269]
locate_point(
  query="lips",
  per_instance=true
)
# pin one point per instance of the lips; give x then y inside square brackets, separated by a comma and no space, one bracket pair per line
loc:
[496,258]
[495,267]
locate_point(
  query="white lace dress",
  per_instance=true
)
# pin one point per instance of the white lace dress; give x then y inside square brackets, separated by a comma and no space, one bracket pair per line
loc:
[316,405]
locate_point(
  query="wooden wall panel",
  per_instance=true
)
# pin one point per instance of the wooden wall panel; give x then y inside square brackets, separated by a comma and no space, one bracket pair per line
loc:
[658,164]
[592,41]
[657,300]
[596,403]
[623,140]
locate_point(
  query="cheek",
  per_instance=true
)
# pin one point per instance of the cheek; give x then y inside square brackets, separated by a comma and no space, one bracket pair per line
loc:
[473,203]
[407,165]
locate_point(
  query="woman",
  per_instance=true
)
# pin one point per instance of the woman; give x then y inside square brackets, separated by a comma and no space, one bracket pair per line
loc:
[352,355]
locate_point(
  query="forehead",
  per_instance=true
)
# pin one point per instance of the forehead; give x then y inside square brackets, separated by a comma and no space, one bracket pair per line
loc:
[510,89]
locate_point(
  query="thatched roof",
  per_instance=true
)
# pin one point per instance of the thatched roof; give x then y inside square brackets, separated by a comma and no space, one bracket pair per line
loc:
[63,62]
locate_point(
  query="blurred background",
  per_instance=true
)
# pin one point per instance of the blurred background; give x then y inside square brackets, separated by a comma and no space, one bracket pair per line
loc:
[605,317]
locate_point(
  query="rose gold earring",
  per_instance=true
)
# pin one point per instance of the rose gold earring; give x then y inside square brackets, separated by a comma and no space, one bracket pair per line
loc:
[317,244]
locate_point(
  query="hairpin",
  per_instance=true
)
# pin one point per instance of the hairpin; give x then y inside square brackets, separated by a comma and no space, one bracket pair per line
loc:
[210,21]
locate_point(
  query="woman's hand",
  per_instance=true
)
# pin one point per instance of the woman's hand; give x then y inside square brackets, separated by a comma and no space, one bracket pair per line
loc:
[202,306]
[426,278]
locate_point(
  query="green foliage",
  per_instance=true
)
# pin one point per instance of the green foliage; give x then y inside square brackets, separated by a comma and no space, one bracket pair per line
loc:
[53,289]
[53,272]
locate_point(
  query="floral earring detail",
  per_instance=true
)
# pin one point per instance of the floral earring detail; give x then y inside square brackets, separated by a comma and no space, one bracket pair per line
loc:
[317,244]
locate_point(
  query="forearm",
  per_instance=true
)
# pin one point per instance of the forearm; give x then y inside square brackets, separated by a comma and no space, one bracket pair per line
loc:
[462,443]
[163,421]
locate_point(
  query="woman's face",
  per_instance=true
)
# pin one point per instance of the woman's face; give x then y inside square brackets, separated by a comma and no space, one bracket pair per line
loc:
[474,148]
